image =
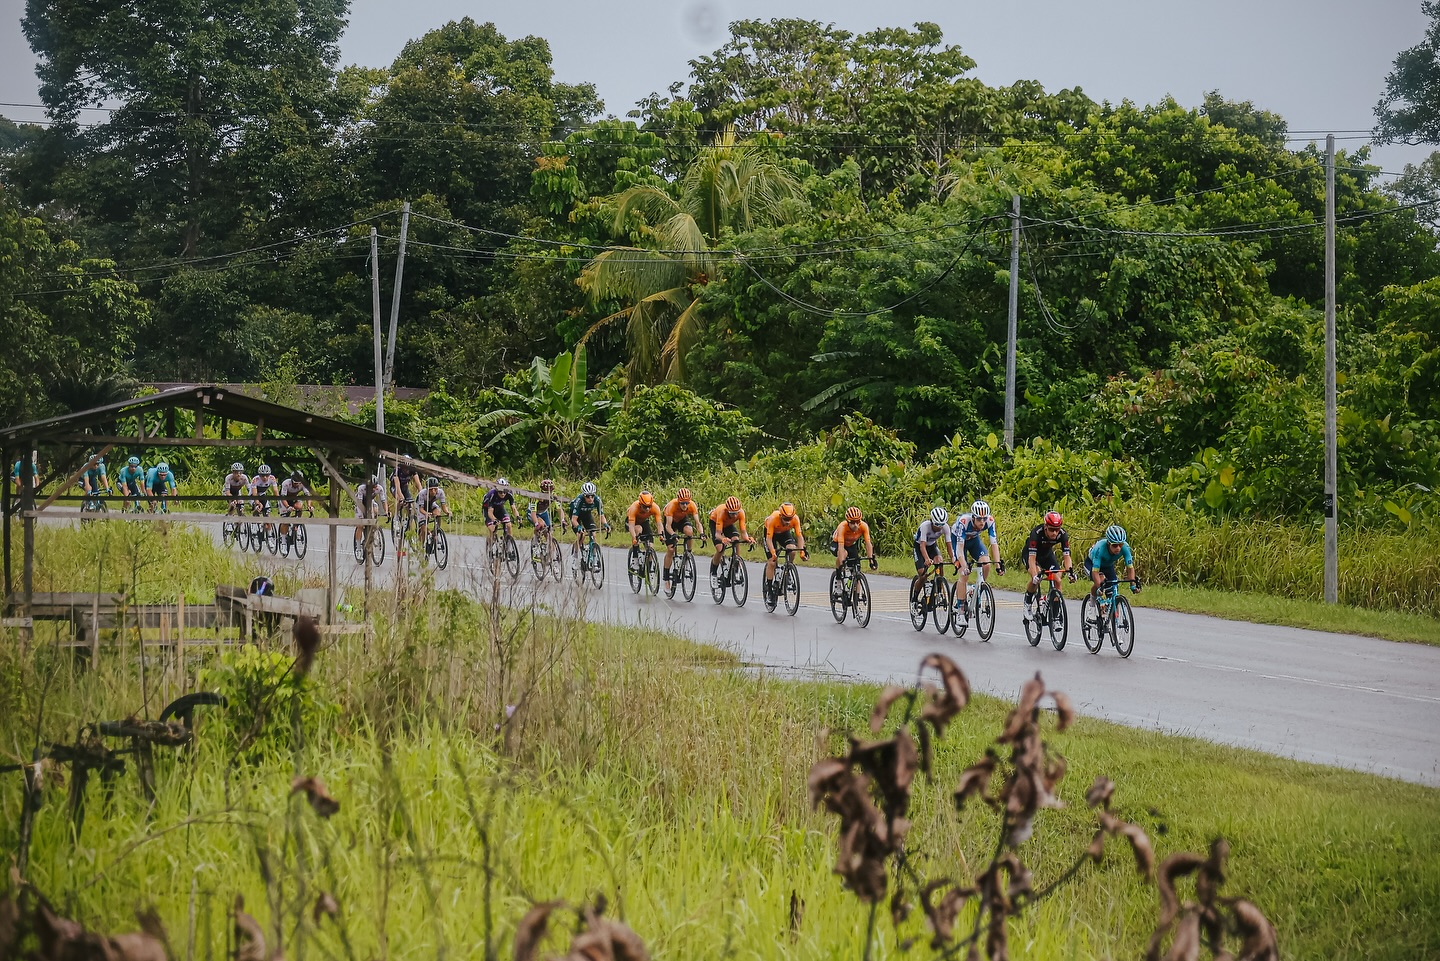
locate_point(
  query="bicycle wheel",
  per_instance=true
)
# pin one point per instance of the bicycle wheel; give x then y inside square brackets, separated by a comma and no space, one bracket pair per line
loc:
[652,571]
[770,594]
[538,561]
[1122,626]
[1059,619]
[302,540]
[512,556]
[687,577]
[739,581]
[718,583]
[791,582]
[228,534]
[1032,623]
[838,600]
[272,538]
[596,564]
[942,609]
[397,525]
[635,568]
[377,545]
[860,600]
[1091,631]
[245,538]
[442,549]
[557,559]
[285,541]
[918,606]
[984,611]
[360,551]
[672,580]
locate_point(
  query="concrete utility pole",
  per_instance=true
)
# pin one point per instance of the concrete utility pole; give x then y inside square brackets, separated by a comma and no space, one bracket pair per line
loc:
[1332,534]
[395,295]
[375,309]
[1014,319]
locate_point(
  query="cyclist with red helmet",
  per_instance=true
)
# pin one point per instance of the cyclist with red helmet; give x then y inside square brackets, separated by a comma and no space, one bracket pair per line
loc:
[1039,553]
[850,532]
[727,523]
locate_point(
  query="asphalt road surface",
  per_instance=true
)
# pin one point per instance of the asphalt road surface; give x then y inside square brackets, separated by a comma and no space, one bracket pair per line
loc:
[1335,699]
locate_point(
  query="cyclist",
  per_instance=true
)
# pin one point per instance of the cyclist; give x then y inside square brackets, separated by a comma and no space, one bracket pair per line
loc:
[405,480]
[369,502]
[94,481]
[1103,558]
[497,505]
[264,484]
[293,495]
[967,544]
[431,502]
[782,532]
[34,474]
[1039,553]
[932,534]
[131,481]
[160,483]
[850,532]
[539,510]
[583,511]
[727,523]
[235,485]
[680,517]
[637,522]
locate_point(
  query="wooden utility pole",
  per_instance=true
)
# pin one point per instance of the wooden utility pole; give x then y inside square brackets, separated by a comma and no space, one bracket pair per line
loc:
[1332,536]
[395,295]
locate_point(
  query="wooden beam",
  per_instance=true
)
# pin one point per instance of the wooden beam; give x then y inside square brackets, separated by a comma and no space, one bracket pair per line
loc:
[5,517]
[297,443]
[70,482]
[197,518]
[335,476]
[259,429]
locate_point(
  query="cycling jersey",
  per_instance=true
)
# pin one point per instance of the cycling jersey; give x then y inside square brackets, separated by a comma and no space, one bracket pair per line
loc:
[95,478]
[542,507]
[15,471]
[234,485]
[845,534]
[930,532]
[721,520]
[1101,559]
[131,478]
[584,512]
[498,501]
[431,499]
[778,523]
[262,484]
[1043,547]
[964,532]
[158,482]
[678,511]
[292,490]
[641,514]
[374,493]
[404,475]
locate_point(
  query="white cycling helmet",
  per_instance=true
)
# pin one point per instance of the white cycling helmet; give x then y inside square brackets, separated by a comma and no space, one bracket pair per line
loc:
[238,467]
[939,516]
[587,489]
[980,509]
[502,482]
[263,469]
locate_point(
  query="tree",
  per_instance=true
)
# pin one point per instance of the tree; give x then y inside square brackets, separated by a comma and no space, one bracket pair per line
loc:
[729,188]
[557,417]
[1410,107]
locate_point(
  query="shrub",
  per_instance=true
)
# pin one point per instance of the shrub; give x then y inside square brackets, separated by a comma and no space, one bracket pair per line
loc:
[667,431]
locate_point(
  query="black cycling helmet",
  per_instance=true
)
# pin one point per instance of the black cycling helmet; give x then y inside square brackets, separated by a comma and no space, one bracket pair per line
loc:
[262,585]
[432,482]
[298,477]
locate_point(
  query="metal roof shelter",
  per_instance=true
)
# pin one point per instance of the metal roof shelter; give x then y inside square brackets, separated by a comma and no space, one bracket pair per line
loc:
[186,417]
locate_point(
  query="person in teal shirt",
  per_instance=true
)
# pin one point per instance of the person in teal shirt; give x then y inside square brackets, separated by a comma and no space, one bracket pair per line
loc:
[131,481]
[160,483]
[1108,552]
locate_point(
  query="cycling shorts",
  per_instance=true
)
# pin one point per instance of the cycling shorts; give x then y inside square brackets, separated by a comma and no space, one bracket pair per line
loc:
[542,518]
[784,541]
[729,530]
[975,547]
[501,513]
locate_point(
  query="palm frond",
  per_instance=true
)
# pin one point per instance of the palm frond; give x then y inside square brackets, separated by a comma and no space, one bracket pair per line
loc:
[838,392]
[684,334]
[629,273]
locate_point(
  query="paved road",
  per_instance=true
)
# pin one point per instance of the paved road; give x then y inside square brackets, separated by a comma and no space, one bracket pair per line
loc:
[1334,699]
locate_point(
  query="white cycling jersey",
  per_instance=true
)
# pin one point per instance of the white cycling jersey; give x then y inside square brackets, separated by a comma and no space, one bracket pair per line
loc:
[930,532]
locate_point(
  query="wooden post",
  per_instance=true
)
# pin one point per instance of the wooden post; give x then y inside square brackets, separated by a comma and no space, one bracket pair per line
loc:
[180,647]
[5,515]
[95,631]
[332,593]
[27,575]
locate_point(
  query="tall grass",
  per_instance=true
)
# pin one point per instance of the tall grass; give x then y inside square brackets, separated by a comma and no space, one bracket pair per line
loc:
[486,755]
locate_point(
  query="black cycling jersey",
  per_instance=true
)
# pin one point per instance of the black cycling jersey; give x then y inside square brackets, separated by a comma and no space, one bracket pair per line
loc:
[1041,545]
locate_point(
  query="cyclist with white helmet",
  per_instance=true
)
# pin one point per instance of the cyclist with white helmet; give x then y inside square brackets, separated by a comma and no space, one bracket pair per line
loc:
[497,504]
[932,534]
[967,540]
[370,502]
[131,481]
[1108,552]
[235,486]
[264,484]
[584,511]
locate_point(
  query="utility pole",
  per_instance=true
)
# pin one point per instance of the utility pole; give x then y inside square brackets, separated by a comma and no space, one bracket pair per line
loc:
[395,295]
[1014,319]
[375,309]
[1332,534]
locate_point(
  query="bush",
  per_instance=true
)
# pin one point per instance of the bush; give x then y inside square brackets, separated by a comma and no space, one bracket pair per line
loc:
[667,431]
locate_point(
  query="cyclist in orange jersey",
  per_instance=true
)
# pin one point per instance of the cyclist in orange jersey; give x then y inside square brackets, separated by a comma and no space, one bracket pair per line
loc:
[782,532]
[637,520]
[727,523]
[851,531]
[681,517]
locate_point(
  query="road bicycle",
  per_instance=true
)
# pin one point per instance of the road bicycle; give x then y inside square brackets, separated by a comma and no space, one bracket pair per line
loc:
[731,575]
[850,592]
[437,545]
[931,600]
[642,566]
[94,503]
[263,534]
[1111,616]
[295,539]
[545,554]
[977,603]
[786,584]
[402,522]
[1050,613]
[370,543]
[589,560]
[682,568]
[503,551]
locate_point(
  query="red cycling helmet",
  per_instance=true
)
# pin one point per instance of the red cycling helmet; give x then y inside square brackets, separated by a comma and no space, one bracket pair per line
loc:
[1053,519]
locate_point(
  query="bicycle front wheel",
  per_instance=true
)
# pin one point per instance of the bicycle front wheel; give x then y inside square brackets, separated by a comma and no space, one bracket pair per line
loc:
[1122,626]
[940,611]
[302,541]
[718,582]
[596,564]
[652,571]
[538,561]
[984,611]
[838,600]
[860,600]
[1059,620]
[377,545]
[360,537]
[635,568]
[918,611]
[791,582]
[397,526]
[442,549]
[1091,628]
[739,581]
[557,559]
[512,556]
[228,534]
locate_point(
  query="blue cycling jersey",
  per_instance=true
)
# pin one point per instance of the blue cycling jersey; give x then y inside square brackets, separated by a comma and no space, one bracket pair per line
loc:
[579,507]
[154,478]
[1102,560]
[130,477]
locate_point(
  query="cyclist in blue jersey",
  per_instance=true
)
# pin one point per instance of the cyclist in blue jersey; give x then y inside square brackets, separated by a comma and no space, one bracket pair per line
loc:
[967,544]
[131,481]
[94,480]
[160,483]
[15,474]
[584,512]
[1107,554]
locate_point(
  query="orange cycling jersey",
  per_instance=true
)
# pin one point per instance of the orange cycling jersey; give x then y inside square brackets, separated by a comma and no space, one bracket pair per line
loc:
[677,510]
[639,513]
[721,518]
[846,535]
[778,523]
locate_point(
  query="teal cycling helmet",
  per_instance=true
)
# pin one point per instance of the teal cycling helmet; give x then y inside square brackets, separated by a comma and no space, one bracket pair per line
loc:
[1115,534]
[133,462]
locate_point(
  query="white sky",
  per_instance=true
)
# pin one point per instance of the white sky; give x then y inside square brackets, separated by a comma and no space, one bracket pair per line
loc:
[1321,64]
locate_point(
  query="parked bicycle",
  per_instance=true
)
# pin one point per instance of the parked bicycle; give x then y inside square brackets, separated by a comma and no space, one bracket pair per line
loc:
[786,584]
[1050,613]
[682,569]
[850,592]
[976,602]
[732,575]
[590,560]
[1111,617]
[642,566]
[931,601]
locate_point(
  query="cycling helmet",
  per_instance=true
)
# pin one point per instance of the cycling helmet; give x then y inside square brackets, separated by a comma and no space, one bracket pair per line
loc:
[163,467]
[547,485]
[939,516]
[1115,534]
[238,467]
[787,509]
[647,498]
[432,482]
[502,482]
[297,477]
[852,514]
[587,489]
[683,494]
[262,585]
[263,469]
[1053,519]
[980,509]
[133,462]
[373,481]
[732,504]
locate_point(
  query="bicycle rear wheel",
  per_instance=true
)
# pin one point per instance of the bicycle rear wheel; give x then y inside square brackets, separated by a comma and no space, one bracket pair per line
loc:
[1059,619]
[739,581]
[984,612]
[791,582]
[860,600]
[838,601]
[1122,626]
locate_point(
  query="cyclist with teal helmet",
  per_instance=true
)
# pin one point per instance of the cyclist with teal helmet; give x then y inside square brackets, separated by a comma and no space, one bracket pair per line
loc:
[131,481]
[1108,552]
[160,483]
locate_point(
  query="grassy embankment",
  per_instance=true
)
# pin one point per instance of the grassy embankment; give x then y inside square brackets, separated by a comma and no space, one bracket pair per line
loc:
[653,771]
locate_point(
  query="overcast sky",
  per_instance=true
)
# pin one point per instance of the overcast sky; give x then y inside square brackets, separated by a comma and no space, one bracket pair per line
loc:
[1321,64]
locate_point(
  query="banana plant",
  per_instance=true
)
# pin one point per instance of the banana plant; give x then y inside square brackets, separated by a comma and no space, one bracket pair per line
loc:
[553,413]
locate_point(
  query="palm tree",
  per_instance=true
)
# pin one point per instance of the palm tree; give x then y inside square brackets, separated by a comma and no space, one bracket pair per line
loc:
[729,186]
